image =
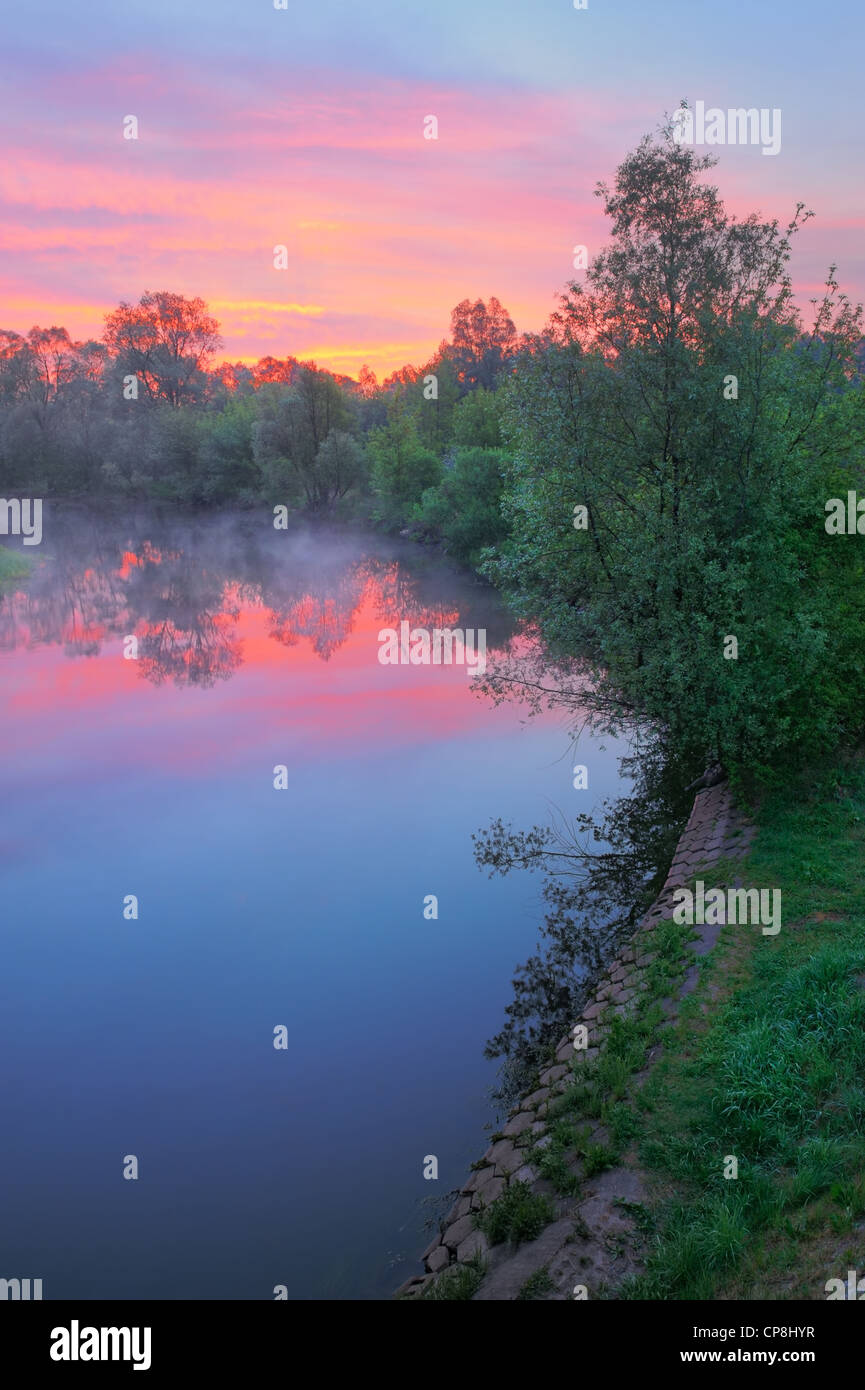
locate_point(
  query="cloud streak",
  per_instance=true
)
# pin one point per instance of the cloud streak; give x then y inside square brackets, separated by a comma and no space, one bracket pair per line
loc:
[385,230]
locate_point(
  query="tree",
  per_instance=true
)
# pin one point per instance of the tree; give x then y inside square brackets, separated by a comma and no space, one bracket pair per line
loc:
[433,404]
[228,466]
[17,368]
[703,510]
[167,341]
[367,381]
[483,338]
[268,370]
[403,376]
[293,426]
[401,466]
[340,466]
[477,420]
[322,407]
[465,508]
[235,377]
[52,354]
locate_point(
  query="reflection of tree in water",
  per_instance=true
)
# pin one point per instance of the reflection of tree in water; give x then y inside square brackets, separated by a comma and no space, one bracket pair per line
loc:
[11,635]
[323,600]
[319,606]
[326,620]
[180,584]
[433,595]
[600,871]
[183,616]
[397,596]
[197,655]
[430,595]
[67,605]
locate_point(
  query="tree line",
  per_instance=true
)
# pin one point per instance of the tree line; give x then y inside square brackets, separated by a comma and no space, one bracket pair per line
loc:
[148,413]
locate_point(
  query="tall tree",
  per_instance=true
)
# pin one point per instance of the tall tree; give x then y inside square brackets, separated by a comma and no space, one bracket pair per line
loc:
[678,400]
[483,340]
[167,341]
[401,467]
[293,440]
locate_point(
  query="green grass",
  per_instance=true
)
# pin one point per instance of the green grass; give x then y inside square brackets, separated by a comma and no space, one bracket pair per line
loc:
[601,1091]
[768,1064]
[536,1285]
[459,1283]
[518,1215]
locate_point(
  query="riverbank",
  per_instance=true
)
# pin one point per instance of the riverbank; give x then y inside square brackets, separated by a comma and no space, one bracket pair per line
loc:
[706,1143]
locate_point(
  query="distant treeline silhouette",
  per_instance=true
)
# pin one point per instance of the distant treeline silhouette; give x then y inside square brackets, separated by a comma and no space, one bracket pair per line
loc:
[148,413]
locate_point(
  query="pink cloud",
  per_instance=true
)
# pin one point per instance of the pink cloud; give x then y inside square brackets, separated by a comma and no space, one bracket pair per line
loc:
[385,230]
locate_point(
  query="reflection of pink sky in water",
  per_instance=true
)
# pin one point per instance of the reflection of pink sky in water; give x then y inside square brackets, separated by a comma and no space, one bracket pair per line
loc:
[301,679]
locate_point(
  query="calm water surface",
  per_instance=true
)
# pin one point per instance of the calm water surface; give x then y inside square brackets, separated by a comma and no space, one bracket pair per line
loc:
[257,907]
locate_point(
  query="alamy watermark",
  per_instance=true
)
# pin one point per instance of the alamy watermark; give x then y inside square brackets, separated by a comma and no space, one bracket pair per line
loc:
[76,1343]
[22,516]
[443,646]
[845,519]
[736,126]
[853,1289]
[19,1290]
[745,905]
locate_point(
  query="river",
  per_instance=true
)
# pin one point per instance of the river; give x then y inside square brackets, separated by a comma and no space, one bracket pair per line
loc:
[151,776]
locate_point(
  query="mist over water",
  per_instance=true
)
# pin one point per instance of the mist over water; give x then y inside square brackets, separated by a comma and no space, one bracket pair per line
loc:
[257,907]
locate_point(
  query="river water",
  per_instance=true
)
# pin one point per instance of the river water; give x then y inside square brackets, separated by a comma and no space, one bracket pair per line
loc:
[152,776]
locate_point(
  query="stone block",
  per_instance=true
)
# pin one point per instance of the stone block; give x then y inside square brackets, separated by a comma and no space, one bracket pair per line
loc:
[488,1193]
[477,1178]
[521,1121]
[553,1074]
[439,1259]
[505,1156]
[475,1244]
[458,1232]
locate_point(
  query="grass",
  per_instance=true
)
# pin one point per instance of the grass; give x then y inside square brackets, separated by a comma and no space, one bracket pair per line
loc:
[537,1285]
[459,1283]
[518,1214]
[767,1065]
[600,1095]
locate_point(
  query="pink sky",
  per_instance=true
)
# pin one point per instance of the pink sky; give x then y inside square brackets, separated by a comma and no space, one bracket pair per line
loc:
[386,231]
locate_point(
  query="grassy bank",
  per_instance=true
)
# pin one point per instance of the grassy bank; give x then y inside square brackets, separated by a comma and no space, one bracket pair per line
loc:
[767,1064]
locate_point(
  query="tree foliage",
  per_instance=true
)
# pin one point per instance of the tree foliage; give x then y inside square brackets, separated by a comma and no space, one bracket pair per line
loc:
[704,509]
[166,341]
[483,340]
[464,509]
[149,413]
